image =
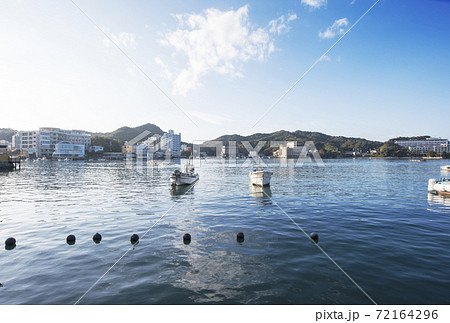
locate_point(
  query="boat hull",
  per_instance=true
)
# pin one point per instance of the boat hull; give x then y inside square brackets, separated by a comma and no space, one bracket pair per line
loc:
[260,178]
[439,187]
[183,180]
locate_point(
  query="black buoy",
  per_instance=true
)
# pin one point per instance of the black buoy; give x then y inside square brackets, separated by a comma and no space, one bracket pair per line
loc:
[134,239]
[314,237]
[240,237]
[97,237]
[71,239]
[10,243]
[187,238]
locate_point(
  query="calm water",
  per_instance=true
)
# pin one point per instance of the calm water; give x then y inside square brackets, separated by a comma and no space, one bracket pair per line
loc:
[374,218]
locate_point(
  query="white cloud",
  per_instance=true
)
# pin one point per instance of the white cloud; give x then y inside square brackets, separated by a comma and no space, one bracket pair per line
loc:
[279,26]
[314,4]
[123,39]
[221,42]
[336,29]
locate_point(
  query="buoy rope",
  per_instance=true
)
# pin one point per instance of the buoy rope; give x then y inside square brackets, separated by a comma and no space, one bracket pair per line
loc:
[130,248]
[320,248]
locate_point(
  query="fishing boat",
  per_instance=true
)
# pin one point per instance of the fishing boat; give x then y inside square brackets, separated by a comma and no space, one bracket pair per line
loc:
[446,167]
[259,176]
[188,177]
[440,186]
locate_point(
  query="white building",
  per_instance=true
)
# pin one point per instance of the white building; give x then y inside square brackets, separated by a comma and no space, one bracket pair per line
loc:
[290,150]
[437,145]
[171,142]
[50,137]
[44,141]
[66,149]
[95,149]
[26,141]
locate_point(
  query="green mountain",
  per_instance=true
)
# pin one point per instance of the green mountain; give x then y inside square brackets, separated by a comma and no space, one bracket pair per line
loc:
[6,134]
[127,133]
[327,145]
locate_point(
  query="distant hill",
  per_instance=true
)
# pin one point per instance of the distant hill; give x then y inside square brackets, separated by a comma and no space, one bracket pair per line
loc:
[326,144]
[410,138]
[127,133]
[6,134]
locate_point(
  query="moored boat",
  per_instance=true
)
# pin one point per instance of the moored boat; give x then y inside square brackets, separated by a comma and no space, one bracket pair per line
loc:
[446,167]
[440,186]
[188,177]
[260,177]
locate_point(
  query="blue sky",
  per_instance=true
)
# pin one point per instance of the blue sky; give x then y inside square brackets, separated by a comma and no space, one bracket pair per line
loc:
[226,62]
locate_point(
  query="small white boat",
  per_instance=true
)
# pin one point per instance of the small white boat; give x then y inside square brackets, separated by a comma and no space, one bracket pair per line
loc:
[188,177]
[259,176]
[440,186]
[446,167]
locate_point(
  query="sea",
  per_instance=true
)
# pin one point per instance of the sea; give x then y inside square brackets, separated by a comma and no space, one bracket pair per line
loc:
[382,237]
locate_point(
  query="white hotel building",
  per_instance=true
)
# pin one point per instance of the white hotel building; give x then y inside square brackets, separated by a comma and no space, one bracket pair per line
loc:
[437,145]
[45,141]
[26,141]
[171,142]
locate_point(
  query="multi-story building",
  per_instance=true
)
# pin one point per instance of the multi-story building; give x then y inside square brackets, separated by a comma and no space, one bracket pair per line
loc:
[26,141]
[290,150]
[171,142]
[437,145]
[50,137]
[44,141]
[66,149]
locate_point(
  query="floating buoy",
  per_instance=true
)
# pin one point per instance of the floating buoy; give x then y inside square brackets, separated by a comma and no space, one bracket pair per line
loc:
[187,238]
[240,237]
[314,236]
[71,239]
[134,239]
[97,237]
[10,243]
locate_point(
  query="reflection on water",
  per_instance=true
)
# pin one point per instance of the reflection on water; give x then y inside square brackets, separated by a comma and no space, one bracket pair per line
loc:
[181,190]
[439,199]
[367,200]
[262,194]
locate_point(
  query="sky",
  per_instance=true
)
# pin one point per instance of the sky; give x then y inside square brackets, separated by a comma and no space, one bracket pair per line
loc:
[209,68]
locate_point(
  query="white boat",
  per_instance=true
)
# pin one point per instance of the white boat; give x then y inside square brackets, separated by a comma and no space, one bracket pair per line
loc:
[259,176]
[446,167]
[188,177]
[440,186]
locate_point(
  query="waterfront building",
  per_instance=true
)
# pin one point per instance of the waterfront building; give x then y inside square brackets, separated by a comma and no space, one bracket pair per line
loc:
[290,150]
[141,151]
[171,143]
[95,149]
[26,141]
[66,149]
[153,143]
[50,137]
[43,141]
[437,145]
